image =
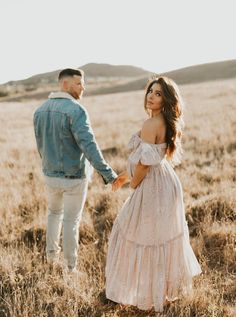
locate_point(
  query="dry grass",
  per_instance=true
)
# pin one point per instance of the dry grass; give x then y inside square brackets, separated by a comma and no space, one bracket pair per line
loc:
[29,287]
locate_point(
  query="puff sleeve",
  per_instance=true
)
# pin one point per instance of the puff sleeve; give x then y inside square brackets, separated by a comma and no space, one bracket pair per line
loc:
[134,142]
[146,154]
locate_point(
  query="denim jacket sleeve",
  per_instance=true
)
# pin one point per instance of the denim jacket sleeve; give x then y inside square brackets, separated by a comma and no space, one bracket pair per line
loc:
[36,134]
[84,136]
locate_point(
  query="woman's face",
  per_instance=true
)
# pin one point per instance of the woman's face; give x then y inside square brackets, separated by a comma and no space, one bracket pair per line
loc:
[154,97]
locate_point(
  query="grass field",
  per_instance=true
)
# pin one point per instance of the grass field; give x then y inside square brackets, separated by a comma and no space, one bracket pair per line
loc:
[28,286]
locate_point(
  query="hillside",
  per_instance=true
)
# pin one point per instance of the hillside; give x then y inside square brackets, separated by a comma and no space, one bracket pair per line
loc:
[188,75]
[97,76]
[204,72]
[105,79]
[91,70]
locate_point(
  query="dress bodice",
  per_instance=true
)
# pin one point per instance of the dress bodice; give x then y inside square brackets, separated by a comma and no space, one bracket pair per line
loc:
[145,153]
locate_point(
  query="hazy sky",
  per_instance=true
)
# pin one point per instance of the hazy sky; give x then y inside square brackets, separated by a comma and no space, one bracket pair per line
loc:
[44,35]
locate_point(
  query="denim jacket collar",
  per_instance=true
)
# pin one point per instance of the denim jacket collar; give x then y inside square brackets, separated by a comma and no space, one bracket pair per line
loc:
[61,94]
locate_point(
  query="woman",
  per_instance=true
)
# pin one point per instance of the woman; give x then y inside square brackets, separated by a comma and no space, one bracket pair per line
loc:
[150,259]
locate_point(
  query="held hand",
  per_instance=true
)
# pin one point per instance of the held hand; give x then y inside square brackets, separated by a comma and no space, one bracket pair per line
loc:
[120,181]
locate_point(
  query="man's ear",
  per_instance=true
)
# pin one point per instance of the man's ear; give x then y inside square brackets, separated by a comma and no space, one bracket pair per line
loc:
[65,84]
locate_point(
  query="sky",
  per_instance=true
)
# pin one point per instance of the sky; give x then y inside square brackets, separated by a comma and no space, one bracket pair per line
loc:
[38,36]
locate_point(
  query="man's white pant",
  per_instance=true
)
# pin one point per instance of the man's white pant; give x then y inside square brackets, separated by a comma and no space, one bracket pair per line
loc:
[65,206]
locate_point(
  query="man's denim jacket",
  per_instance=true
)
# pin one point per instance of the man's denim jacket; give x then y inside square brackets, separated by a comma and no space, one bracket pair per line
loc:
[65,139]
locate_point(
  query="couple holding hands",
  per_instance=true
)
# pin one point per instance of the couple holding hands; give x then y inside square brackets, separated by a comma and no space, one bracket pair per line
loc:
[150,260]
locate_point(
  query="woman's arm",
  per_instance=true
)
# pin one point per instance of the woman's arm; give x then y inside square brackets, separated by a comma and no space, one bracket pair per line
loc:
[139,173]
[148,135]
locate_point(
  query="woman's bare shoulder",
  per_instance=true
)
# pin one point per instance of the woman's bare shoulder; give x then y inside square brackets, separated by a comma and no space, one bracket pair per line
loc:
[148,132]
[151,128]
[154,123]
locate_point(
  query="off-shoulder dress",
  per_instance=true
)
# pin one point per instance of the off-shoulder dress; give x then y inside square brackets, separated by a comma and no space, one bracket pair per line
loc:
[150,259]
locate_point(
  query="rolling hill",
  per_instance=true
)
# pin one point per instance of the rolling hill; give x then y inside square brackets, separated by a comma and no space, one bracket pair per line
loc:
[188,75]
[106,79]
[92,71]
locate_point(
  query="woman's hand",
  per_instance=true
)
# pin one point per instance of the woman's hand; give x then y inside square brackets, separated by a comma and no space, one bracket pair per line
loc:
[120,181]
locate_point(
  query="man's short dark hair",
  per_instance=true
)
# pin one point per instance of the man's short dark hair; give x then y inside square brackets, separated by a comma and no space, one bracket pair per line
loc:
[70,72]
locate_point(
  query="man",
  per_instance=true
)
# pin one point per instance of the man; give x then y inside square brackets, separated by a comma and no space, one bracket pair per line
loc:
[67,146]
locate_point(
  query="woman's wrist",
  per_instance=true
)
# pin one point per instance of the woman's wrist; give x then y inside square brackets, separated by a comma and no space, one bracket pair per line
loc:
[132,184]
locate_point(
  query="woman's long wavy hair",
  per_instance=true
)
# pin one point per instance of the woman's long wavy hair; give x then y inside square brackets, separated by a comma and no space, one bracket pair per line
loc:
[173,114]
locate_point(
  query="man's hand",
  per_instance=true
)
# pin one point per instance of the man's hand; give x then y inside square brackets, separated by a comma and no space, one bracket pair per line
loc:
[120,181]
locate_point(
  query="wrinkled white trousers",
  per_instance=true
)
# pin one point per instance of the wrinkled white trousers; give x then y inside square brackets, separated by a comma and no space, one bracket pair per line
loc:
[65,207]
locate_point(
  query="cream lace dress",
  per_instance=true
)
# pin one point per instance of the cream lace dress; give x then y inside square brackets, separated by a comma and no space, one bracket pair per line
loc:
[149,256]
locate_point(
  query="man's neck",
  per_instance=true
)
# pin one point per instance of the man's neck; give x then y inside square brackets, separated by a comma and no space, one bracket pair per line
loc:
[61,94]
